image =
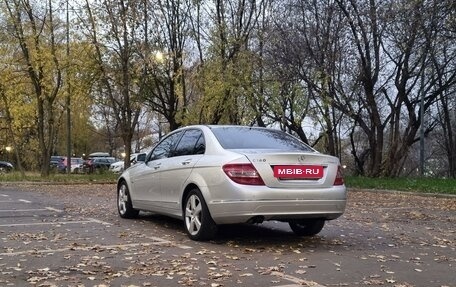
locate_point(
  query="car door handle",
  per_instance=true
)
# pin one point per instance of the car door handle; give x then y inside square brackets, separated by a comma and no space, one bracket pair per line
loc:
[186,162]
[157,166]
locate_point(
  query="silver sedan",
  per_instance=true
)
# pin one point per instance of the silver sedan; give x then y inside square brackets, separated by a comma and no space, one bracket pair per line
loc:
[211,175]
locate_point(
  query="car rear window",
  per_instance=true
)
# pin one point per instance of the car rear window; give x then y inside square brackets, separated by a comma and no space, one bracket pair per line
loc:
[257,138]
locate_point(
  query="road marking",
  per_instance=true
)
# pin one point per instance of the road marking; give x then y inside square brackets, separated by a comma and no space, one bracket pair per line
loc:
[86,248]
[23,210]
[99,221]
[24,200]
[158,239]
[4,195]
[54,209]
[47,223]
[32,209]
[296,280]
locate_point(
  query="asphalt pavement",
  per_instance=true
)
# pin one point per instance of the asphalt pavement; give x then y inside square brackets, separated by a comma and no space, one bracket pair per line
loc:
[53,235]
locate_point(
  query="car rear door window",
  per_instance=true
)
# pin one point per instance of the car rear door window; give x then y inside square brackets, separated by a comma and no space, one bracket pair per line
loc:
[200,146]
[189,142]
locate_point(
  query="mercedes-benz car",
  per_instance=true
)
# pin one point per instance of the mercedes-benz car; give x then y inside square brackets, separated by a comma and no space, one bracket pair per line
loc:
[212,175]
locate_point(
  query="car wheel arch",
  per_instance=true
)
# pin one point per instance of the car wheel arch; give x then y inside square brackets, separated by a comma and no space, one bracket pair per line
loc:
[187,189]
[201,187]
[123,180]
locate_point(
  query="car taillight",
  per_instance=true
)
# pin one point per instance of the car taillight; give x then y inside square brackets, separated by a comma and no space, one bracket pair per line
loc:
[339,178]
[243,174]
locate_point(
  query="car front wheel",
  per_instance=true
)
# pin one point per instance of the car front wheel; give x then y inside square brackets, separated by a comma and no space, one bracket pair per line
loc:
[199,224]
[124,205]
[307,227]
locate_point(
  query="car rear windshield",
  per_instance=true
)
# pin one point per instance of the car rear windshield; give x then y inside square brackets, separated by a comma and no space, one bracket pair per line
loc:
[257,138]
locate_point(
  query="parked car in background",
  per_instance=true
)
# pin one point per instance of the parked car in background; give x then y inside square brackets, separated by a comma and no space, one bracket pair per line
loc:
[99,154]
[88,164]
[118,166]
[103,162]
[6,166]
[99,164]
[211,175]
[76,165]
[56,160]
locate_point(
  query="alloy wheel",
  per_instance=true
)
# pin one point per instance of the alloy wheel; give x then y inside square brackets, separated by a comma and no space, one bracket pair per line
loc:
[123,199]
[193,214]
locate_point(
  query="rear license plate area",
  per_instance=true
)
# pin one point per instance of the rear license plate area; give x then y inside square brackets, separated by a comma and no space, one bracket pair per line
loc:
[298,172]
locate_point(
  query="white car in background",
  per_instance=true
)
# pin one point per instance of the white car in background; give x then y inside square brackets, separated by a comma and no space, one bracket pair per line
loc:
[76,165]
[119,166]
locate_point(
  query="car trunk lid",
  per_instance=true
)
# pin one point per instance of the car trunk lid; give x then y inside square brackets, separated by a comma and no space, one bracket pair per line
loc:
[294,169]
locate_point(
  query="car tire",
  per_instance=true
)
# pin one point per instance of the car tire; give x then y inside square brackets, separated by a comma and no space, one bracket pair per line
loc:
[307,227]
[198,222]
[124,205]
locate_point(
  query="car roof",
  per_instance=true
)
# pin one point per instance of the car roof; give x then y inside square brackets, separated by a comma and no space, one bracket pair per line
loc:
[99,154]
[223,126]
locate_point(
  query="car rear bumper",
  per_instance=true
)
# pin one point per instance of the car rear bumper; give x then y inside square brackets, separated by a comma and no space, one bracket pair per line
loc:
[240,203]
[228,212]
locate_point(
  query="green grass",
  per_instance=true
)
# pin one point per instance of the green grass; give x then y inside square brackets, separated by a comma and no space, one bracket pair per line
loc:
[425,185]
[105,177]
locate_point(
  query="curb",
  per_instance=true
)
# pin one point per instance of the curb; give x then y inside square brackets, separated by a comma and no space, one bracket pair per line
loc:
[423,194]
